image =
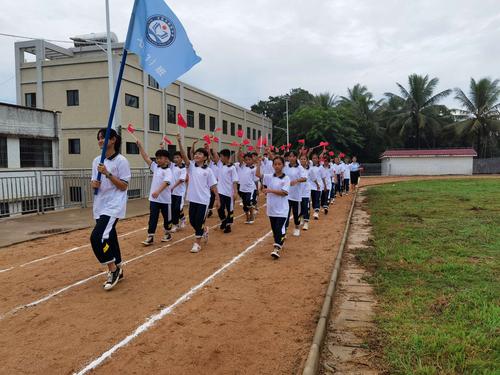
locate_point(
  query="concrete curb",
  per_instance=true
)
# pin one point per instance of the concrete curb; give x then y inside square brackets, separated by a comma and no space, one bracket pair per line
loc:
[312,362]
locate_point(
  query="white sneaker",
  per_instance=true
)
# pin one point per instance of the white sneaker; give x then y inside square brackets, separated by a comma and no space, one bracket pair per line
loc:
[276,253]
[241,204]
[296,232]
[196,248]
[306,226]
[148,241]
[316,215]
[174,229]
[301,221]
[183,223]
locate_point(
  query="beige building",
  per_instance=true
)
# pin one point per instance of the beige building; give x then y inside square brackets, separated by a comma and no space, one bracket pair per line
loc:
[74,81]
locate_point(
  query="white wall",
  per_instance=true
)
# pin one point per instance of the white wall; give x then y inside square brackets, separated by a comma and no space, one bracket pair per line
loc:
[437,165]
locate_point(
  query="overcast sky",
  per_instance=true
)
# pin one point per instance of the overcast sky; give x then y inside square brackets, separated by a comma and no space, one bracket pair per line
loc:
[253,49]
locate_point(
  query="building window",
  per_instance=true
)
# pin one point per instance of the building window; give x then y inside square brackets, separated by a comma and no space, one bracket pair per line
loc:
[30,99]
[171,114]
[74,146]
[190,119]
[75,193]
[154,122]
[152,82]
[3,153]
[224,126]
[201,120]
[259,134]
[233,128]
[249,131]
[4,209]
[72,98]
[254,134]
[35,153]
[132,148]
[134,193]
[212,123]
[131,101]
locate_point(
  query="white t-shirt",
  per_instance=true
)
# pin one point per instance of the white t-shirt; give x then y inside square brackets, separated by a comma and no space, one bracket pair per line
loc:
[277,205]
[326,175]
[110,200]
[337,169]
[201,179]
[161,175]
[306,187]
[294,173]
[319,180]
[214,168]
[347,171]
[227,176]
[247,178]
[179,173]
[267,166]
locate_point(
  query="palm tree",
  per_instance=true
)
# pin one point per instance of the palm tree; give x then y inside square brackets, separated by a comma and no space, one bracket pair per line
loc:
[480,117]
[420,108]
[325,100]
[361,102]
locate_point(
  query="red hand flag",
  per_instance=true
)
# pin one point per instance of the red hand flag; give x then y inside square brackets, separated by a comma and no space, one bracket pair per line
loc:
[264,141]
[166,140]
[181,122]
[216,140]
[246,142]
[130,129]
[234,143]
[301,141]
[331,153]
[217,130]
[250,148]
[239,133]
[207,139]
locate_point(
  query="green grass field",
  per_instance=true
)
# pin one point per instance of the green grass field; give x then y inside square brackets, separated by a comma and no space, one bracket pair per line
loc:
[436,271]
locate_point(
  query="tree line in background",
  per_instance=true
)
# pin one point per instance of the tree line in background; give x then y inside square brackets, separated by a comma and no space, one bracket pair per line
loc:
[358,124]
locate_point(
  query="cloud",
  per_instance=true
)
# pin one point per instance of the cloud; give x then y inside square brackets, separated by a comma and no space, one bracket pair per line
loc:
[251,50]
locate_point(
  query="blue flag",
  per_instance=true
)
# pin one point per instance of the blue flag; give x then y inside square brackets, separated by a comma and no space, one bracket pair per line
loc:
[157,36]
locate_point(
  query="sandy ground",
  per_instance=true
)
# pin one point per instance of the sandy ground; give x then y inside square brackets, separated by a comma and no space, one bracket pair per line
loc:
[256,317]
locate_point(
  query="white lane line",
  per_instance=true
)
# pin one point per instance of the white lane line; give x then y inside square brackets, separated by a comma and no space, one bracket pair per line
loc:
[167,310]
[83,281]
[65,252]
[74,249]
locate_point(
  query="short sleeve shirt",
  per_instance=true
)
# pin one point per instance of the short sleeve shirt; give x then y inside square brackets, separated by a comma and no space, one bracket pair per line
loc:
[277,205]
[161,175]
[201,179]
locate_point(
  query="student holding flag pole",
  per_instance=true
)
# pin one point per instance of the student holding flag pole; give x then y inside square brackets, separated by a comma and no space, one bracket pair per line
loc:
[156,35]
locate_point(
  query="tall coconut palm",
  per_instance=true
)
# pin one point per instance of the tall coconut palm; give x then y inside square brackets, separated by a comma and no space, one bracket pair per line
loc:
[325,100]
[420,109]
[480,117]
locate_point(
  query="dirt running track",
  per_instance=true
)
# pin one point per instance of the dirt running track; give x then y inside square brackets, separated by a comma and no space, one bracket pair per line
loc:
[256,317]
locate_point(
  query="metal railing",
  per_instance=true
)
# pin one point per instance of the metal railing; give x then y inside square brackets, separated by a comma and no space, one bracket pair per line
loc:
[24,191]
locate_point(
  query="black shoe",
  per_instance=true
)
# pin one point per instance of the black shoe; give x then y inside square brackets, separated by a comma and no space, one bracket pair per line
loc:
[227,229]
[326,211]
[222,226]
[210,213]
[113,279]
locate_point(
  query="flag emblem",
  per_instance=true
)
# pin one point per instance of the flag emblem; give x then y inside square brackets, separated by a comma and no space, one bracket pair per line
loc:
[160,31]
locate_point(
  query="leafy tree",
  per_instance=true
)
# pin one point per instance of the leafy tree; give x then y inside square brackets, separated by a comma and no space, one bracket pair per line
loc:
[419,109]
[479,119]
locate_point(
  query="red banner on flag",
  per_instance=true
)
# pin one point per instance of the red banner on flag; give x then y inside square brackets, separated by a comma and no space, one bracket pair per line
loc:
[181,122]
[166,140]
[130,129]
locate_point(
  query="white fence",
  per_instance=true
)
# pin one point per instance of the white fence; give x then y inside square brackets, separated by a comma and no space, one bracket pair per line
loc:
[36,191]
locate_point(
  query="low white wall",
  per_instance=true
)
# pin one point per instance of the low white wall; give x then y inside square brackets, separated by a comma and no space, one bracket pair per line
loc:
[436,165]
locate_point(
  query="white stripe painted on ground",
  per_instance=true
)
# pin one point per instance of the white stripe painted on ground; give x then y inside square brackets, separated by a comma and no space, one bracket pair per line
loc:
[73,249]
[167,310]
[83,281]
[65,252]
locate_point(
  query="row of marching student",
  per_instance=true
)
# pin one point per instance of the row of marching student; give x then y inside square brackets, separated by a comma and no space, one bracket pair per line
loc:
[294,184]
